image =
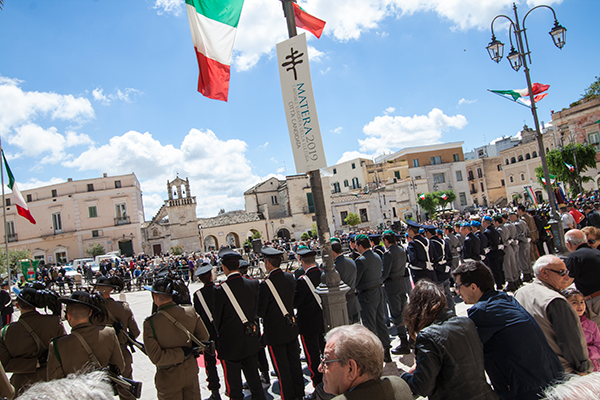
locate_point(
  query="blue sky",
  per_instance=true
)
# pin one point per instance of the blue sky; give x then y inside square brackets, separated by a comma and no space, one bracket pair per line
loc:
[93,86]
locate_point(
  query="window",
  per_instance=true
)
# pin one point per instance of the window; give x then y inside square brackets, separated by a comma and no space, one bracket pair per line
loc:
[397,174]
[502,182]
[334,171]
[355,183]
[92,211]
[90,187]
[363,215]
[463,199]
[439,178]
[121,214]
[499,166]
[29,198]
[511,179]
[345,182]
[594,139]
[520,158]
[353,166]
[95,233]
[417,177]
[7,202]
[481,184]
[473,190]
[513,160]
[117,184]
[455,157]
[54,193]
[522,177]
[436,160]
[311,203]
[56,223]
[61,257]
[507,161]
[534,154]
[10,231]
[343,216]
[479,173]
[528,156]
[336,187]
[416,162]
[274,200]
[471,177]
[394,212]
[458,176]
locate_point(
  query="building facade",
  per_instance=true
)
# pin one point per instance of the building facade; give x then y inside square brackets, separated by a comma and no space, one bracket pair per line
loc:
[75,215]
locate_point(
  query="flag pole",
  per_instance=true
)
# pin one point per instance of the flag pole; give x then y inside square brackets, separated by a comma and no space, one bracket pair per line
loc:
[4,213]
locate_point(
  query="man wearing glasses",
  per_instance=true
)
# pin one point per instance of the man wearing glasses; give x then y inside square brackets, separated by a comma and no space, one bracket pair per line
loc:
[554,314]
[352,367]
[584,267]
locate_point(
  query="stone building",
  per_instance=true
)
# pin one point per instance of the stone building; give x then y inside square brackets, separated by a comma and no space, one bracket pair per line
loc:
[487,186]
[75,215]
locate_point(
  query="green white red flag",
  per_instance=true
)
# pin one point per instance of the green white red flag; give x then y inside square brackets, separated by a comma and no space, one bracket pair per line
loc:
[570,167]
[22,208]
[518,95]
[422,196]
[213,24]
[306,21]
[444,196]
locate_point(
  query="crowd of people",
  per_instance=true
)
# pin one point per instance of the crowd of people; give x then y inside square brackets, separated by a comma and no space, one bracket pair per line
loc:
[532,322]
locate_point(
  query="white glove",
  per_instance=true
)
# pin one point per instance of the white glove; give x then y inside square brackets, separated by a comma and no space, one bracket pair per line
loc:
[528,240]
[500,247]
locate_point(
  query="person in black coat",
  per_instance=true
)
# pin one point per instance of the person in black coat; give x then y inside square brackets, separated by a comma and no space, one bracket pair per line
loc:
[419,254]
[496,254]
[6,306]
[280,328]
[238,341]
[205,306]
[346,267]
[471,246]
[310,313]
[592,217]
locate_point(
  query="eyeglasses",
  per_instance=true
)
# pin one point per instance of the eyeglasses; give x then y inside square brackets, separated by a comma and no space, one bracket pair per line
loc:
[560,273]
[458,285]
[325,361]
[592,241]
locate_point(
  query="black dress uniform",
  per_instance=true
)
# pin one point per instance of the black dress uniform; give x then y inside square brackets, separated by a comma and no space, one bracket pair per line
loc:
[496,254]
[6,306]
[419,257]
[392,276]
[280,334]
[471,248]
[236,348]
[310,321]
[346,267]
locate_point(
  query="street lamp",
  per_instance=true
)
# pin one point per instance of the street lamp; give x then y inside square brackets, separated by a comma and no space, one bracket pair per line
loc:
[414,186]
[517,59]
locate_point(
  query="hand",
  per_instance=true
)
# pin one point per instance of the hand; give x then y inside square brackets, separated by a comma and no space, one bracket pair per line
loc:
[412,369]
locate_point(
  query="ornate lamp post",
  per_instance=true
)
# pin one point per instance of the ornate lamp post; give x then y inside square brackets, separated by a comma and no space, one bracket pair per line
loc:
[517,58]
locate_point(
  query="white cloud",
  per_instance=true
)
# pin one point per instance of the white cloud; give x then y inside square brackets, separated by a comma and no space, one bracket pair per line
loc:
[98,95]
[465,101]
[20,107]
[385,133]
[389,110]
[36,183]
[351,155]
[281,170]
[218,170]
[314,55]
[124,96]
[325,71]
[263,146]
[337,130]
[168,7]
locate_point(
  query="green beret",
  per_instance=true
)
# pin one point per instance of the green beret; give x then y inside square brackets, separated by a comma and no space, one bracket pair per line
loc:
[335,240]
[361,236]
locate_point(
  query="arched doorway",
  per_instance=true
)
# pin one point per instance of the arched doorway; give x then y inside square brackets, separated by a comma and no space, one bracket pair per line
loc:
[232,239]
[284,234]
[210,243]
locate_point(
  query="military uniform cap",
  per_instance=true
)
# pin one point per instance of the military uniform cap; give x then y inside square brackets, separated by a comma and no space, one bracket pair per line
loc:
[512,212]
[429,227]
[161,286]
[80,297]
[305,251]
[114,282]
[412,224]
[389,232]
[465,224]
[335,240]
[362,236]
[475,223]
[488,218]
[271,252]
[244,264]
[439,231]
[375,237]
[226,252]
[203,269]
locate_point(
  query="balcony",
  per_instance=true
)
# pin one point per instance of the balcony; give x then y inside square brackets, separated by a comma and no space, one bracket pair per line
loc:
[473,191]
[308,210]
[12,238]
[122,221]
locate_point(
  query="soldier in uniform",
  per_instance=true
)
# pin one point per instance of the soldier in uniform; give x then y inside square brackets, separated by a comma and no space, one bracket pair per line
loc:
[347,269]
[370,292]
[205,306]
[354,254]
[510,273]
[392,276]
[6,306]
[471,246]
[171,347]
[442,264]
[533,234]
[119,316]
[455,248]
[514,252]
[419,254]
[280,328]
[24,343]
[523,239]
[310,314]
[238,339]
[69,354]
[376,245]
[496,254]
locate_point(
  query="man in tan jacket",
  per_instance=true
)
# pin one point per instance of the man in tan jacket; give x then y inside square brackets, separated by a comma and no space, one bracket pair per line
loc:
[171,347]
[68,354]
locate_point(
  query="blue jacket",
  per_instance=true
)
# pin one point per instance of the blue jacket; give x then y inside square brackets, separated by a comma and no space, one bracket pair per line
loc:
[517,356]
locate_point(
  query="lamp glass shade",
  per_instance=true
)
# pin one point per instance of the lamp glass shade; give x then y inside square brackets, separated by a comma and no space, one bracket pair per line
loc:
[515,59]
[495,49]
[559,35]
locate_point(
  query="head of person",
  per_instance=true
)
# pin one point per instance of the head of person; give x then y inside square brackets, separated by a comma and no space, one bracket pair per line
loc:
[588,208]
[574,239]
[487,221]
[81,305]
[362,243]
[35,295]
[473,279]
[592,235]
[448,229]
[425,303]
[412,231]
[439,233]
[307,257]
[465,229]
[430,232]
[204,273]
[575,387]
[389,238]
[78,386]
[512,216]
[272,258]
[553,271]
[336,248]
[498,220]
[576,299]
[353,355]
[520,209]
[563,209]
[230,260]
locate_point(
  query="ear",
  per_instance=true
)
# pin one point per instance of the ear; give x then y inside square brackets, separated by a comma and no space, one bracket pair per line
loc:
[353,372]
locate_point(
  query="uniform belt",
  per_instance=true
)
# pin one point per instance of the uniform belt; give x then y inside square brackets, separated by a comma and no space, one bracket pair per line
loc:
[371,288]
[468,259]
[591,296]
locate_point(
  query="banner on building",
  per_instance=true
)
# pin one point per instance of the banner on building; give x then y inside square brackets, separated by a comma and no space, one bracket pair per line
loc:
[299,104]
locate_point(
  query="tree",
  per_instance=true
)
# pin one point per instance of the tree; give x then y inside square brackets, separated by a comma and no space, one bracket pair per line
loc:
[256,235]
[517,198]
[429,203]
[14,255]
[450,197]
[593,90]
[586,158]
[314,232]
[95,250]
[304,236]
[177,250]
[352,219]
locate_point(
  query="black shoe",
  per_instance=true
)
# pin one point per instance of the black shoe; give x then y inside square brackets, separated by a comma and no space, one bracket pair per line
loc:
[245,386]
[274,374]
[403,348]
[387,357]
[265,380]
[303,359]
[215,395]
[312,396]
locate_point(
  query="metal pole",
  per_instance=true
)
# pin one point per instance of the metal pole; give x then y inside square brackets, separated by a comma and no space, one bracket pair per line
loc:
[576,167]
[555,218]
[4,214]
[332,290]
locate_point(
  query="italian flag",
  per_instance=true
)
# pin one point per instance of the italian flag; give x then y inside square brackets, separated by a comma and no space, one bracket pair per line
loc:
[213,24]
[552,179]
[22,208]
[519,94]
[422,196]
[570,167]
[530,193]
[444,196]
[306,21]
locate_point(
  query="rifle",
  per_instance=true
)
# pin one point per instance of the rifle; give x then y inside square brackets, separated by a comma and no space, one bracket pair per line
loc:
[133,387]
[134,343]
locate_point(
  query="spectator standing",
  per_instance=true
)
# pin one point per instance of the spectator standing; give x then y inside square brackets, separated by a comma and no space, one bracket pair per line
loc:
[590,329]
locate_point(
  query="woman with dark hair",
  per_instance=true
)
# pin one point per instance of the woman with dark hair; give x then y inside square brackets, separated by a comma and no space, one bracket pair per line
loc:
[449,354]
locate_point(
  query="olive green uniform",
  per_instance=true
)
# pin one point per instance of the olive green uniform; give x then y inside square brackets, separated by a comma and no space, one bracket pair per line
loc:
[176,375]
[19,352]
[67,355]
